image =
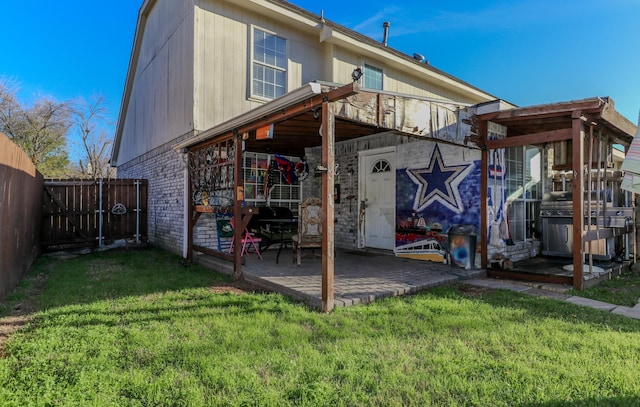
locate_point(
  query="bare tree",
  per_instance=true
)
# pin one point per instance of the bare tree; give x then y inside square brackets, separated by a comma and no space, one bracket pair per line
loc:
[40,130]
[96,144]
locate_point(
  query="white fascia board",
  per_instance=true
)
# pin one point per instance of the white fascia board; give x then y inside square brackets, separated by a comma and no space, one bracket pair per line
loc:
[289,99]
[277,12]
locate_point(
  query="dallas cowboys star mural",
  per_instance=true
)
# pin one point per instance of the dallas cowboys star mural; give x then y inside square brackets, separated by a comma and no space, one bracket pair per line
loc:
[439,182]
[437,187]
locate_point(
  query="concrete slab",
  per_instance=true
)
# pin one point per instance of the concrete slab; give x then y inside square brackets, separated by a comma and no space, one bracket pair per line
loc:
[627,312]
[358,278]
[362,279]
[591,303]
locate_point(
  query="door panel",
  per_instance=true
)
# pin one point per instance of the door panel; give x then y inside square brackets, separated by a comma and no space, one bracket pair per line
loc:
[380,200]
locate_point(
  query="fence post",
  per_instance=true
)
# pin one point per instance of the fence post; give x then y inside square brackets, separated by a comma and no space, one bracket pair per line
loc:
[100,215]
[137,182]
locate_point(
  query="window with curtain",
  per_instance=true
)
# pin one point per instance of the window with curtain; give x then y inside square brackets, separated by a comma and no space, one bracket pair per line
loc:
[524,191]
[269,67]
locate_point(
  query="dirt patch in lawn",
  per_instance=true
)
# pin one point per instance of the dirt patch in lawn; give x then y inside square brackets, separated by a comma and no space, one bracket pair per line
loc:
[236,287]
[21,311]
[472,290]
[226,288]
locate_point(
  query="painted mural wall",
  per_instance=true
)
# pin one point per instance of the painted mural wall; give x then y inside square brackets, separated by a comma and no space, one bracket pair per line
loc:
[437,188]
[497,226]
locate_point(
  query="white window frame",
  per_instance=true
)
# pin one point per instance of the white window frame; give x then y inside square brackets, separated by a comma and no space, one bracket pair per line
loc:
[255,167]
[523,209]
[253,62]
[376,68]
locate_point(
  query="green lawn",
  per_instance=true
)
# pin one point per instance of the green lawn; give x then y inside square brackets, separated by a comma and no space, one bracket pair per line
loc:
[138,328]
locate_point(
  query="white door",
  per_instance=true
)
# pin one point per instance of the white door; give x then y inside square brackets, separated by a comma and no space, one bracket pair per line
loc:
[378,179]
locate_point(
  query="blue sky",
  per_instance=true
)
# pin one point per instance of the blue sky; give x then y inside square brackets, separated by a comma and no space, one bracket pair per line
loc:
[68,48]
[526,52]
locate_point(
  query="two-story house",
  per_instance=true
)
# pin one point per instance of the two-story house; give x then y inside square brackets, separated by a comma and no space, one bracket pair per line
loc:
[197,64]
[234,102]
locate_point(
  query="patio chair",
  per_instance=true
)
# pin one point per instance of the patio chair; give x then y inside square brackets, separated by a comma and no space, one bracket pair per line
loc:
[249,241]
[224,232]
[309,228]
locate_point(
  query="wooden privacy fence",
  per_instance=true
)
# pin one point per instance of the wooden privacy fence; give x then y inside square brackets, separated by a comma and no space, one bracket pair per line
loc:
[20,209]
[88,213]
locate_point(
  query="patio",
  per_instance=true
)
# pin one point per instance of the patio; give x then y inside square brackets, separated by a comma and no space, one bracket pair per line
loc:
[360,277]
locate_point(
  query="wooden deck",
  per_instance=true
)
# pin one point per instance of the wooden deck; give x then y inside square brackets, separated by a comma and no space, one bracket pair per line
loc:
[551,270]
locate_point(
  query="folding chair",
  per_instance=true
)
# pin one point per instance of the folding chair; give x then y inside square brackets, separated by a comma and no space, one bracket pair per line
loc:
[248,240]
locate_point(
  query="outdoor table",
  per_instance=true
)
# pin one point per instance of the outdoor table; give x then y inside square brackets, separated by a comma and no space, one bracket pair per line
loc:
[278,231]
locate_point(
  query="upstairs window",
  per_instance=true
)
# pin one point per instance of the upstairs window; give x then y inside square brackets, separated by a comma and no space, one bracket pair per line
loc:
[269,65]
[372,77]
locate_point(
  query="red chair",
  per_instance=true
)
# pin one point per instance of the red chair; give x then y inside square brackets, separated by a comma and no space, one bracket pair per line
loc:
[248,240]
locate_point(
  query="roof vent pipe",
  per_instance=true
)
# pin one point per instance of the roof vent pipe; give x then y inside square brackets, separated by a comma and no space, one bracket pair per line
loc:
[385,25]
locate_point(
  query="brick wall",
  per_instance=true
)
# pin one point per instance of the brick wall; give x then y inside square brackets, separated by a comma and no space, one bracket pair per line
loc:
[164,169]
[346,156]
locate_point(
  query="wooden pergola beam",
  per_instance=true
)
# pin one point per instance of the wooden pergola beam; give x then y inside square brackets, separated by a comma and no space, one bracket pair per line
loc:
[618,122]
[530,139]
[593,105]
[302,107]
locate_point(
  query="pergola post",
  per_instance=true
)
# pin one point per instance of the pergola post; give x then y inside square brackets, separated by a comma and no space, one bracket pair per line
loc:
[577,188]
[237,207]
[190,215]
[328,180]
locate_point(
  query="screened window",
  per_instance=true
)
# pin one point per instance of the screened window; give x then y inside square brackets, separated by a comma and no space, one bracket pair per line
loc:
[524,190]
[269,65]
[372,77]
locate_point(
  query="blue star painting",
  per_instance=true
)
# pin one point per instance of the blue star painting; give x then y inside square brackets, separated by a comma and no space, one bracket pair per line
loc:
[439,182]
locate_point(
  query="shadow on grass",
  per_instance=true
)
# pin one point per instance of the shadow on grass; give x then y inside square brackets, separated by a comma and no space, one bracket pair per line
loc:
[171,307]
[104,288]
[622,401]
[117,274]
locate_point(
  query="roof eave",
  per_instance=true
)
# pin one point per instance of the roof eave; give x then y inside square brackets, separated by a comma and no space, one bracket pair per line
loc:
[269,108]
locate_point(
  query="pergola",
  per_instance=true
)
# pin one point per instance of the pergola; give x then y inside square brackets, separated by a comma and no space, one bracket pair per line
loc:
[581,122]
[321,115]
[314,115]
